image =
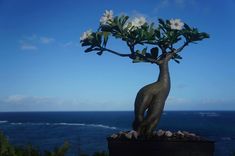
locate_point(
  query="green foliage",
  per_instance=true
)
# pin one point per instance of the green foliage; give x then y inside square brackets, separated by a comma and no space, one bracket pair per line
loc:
[61,151]
[6,149]
[163,37]
[26,151]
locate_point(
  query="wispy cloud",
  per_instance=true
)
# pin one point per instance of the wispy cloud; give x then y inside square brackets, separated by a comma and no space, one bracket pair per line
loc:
[46,40]
[68,44]
[31,103]
[163,4]
[28,46]
[177,100]
[22,99]
[33,42]
[181,86]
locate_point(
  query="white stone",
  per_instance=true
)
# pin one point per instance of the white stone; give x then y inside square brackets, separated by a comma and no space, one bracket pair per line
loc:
[121,132]
[168,133]
[180,133]
[186,133]
[134,134]
[128,135]
[114,136]
[160,132]
[192,134]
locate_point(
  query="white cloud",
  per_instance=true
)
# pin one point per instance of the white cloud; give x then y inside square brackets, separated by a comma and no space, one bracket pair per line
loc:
[176,100]
[180,3]
[71,44]
[212,101]
[163,4]
[22,99]
[44,103]
[28,46]
[46,40]
[68,44]
[14,98]
[181,86]
[33,42]
[31,38]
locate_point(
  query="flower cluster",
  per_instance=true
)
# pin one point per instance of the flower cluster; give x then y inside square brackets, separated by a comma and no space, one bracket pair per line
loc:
[86,35]
[107,17]
[176,24]
[138,22]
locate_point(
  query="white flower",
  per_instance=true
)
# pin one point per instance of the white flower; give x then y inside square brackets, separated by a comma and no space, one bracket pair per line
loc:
[128,26]
[176,24]
[107,17]
[138,22]
[86,35]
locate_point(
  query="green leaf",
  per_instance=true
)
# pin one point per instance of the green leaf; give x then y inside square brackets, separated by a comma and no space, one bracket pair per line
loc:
[123,20]
[89,49]
[138,51]
[158,34]
[148,55]
[136,60]
[204,35]
[161,21]
[186,27]
[178,57]
[86,44]
[106,28]
[177,61]
[105,34]
[154,52]
[99,53]
[98,38]
[144,51]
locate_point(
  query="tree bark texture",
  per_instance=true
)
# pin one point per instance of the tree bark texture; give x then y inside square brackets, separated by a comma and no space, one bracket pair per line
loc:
[150,101]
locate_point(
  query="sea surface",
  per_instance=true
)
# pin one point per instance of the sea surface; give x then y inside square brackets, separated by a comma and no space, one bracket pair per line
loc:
[87,131]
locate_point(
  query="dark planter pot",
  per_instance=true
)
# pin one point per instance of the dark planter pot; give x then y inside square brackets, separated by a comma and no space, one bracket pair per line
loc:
[118,147]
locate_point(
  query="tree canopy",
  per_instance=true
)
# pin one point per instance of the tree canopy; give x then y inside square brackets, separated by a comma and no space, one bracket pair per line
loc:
[168,37]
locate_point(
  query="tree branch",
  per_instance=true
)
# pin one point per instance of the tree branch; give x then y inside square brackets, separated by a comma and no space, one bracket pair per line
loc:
[147,42]
[147,59]
[116,53]
[175,51]
[182,47]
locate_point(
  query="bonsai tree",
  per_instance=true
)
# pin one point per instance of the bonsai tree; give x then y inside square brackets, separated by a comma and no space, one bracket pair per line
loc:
[160,44]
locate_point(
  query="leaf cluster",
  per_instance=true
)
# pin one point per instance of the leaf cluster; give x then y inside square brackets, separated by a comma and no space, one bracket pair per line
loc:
[161,38]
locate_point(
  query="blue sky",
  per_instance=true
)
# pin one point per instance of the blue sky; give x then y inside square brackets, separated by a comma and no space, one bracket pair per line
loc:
[44,68]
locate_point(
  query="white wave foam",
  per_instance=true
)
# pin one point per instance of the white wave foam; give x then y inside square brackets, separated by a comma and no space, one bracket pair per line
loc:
[208,114]
[16,123]
[66,124]
[69,124]
[102,126]
[4,121]
[226,138]
[88,125]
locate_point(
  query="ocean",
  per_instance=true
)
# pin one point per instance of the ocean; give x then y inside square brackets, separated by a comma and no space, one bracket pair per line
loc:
[86,132]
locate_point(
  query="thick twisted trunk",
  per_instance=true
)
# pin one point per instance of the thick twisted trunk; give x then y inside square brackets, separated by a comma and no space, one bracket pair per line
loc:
[151,98]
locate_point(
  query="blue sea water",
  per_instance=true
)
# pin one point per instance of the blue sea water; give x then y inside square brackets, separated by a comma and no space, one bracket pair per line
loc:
[87,131]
